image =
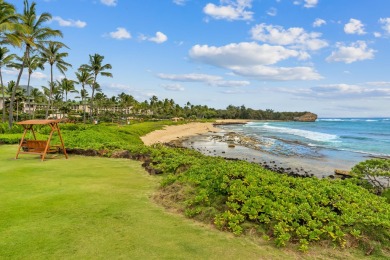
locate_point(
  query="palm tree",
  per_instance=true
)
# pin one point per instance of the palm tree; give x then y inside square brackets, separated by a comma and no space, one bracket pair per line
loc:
[84,97]
[52,55]
[33,36]
[33,63]
[5,60]
[84,78]
[19,96]
[67,86]
[37,96]
[96,68]
[8,19]
[95,88]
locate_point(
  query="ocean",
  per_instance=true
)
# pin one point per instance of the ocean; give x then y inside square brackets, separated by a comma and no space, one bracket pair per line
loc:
[370,136]
[319,147]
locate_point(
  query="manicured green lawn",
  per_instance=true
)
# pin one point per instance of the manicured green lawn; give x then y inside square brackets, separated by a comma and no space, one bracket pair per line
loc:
[99,208]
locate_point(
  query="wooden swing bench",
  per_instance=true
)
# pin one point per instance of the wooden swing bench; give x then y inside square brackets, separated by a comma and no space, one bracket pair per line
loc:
[38,146]
[41,147]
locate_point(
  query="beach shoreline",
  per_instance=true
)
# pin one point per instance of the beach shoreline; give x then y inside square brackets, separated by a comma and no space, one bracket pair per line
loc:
[201,137]
[176,132]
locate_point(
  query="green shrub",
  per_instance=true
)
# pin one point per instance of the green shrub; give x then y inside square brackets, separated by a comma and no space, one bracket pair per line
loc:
[302,210]
[376,172]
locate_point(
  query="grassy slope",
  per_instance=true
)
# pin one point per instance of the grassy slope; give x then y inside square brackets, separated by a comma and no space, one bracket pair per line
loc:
[88,207]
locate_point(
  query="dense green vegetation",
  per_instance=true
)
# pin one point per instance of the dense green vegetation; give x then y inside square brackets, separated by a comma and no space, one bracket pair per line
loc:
[243,197]
[247,199]
[100,208]
[374,174]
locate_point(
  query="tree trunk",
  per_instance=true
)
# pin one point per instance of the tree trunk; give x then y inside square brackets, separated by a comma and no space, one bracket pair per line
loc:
[50,90]
[82,100]
[91,112]
[2,92]
[28,94]
[11,105]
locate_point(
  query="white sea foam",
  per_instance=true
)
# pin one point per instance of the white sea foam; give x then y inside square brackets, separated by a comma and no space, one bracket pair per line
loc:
[331,119]
[316,136]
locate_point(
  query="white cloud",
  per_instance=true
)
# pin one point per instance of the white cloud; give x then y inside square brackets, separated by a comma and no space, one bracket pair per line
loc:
[11,71]
[252,60]
[349,91]
[120,34]
[354,27]
[38,75]
[180,2]
[173,87]
[109,2]
[319,22]
[377,34]
[306,3]
[117,88]
[69,22]
[340,91]
[355,52]
[261,72]
[35,75]
[295,37]
[378,83]
[193,77]
[230,83]
[385,24]
[230,10]
[244,53]
[159,38]
[310,3]
[211,80]
[272,11]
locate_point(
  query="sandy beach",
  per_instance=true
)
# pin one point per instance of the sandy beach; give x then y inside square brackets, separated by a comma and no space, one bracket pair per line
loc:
[171,133]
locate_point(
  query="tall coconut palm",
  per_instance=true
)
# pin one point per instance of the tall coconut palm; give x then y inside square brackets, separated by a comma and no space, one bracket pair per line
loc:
[37,96]
[32,36]
[52,54]
[8,19]
[96,68]
[95,88]
[20,96]
[5,60]
[32,63]
[84,78]
[67,86]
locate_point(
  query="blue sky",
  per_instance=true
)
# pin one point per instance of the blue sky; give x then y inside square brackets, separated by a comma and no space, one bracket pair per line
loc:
[331,57]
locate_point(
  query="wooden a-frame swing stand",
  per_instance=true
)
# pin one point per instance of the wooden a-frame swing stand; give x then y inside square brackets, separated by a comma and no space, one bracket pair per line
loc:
[41,147]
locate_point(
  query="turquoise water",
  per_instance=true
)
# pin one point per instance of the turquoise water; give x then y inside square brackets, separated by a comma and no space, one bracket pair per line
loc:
[366,136]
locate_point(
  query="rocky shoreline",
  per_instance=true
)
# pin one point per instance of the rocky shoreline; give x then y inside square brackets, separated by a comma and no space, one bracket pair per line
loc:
[235,141]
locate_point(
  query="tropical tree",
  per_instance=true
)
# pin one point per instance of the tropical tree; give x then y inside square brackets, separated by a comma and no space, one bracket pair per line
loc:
[96,67]
[37,96]
[95,88]
[52,55]
[66,86]
[32,34]
[84,78]
[8,19]
[5,60]
[20,97]
[8,22]
[32,63]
